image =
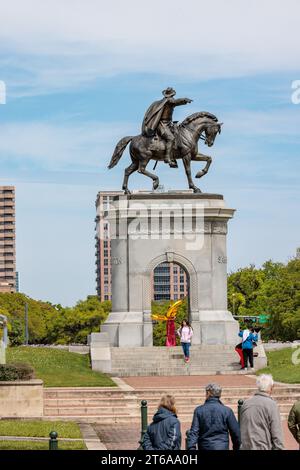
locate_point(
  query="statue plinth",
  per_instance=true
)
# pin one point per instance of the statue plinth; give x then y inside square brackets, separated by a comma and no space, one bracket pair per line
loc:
[181,227]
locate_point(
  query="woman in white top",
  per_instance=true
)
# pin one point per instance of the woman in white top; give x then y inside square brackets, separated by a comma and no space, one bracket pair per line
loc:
[185,332]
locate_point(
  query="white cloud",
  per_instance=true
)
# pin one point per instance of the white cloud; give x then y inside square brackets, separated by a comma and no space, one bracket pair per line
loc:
[57,147]
[62,43]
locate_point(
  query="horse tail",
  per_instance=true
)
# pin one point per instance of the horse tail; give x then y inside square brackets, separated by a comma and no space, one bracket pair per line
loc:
[120,147]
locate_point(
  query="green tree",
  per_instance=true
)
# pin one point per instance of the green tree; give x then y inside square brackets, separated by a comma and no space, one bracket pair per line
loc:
[273,290]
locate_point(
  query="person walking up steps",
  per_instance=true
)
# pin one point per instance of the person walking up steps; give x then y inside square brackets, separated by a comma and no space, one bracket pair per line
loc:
[248,338]
[185,332]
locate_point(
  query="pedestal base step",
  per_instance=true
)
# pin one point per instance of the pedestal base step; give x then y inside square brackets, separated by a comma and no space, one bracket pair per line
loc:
[163,361]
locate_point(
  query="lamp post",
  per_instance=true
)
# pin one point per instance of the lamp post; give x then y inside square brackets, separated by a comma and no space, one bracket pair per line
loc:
[26,324]
[233,303]
[4,340]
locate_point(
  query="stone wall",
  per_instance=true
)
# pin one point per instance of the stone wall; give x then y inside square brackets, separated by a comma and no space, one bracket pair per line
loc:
[21,399]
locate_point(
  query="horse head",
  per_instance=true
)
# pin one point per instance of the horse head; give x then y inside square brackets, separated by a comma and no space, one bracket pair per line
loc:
[203,123]
[210,131]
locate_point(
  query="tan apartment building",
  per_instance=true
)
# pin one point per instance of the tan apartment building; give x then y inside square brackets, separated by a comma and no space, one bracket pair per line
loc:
[169,280]
[7,239]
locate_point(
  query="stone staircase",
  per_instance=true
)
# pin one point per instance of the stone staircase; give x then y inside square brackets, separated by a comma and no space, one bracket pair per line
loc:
[162,361]
[116,406]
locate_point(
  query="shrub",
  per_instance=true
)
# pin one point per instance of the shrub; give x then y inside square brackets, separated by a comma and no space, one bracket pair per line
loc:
[16,371]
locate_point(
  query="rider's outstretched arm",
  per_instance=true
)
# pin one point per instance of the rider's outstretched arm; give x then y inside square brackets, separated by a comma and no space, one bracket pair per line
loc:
[180,101]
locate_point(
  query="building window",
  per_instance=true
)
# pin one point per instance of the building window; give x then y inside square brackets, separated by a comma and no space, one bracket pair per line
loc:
[163,288]
[162,297]
[106,203]
[162,279]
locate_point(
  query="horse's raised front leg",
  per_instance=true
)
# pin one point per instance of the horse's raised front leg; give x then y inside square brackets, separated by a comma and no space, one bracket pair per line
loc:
[187,167]
[130,169]
[202,158]
[143,171]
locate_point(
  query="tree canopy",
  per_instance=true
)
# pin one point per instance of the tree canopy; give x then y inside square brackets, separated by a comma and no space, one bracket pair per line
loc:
[49,323]
[273,290]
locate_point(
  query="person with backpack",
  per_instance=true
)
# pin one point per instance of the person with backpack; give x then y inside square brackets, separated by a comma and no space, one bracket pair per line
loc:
[185,332]
[249,338]
[164,432]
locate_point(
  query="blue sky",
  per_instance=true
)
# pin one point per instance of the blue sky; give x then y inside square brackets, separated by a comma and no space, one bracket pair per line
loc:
[79,76]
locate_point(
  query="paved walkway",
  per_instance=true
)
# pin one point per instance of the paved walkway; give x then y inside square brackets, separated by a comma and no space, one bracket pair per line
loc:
[90,437]
[188,381]
[121,437]
[126,437]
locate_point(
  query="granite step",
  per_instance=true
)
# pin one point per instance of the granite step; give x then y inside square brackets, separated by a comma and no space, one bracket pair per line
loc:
[126,420]
[116,393]
[152,401]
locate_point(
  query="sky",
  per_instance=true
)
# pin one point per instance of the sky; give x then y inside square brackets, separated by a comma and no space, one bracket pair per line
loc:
[79,75]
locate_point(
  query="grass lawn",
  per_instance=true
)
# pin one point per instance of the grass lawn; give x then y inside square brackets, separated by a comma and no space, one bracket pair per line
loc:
[31,445]
[39,428]
[281,367]
[59,368]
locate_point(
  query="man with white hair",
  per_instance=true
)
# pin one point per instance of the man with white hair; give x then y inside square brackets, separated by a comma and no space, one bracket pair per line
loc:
[260,421]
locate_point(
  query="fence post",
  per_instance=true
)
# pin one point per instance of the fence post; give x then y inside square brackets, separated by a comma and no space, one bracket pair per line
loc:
[53,442]
[144,422]
[186,439]
[240,404]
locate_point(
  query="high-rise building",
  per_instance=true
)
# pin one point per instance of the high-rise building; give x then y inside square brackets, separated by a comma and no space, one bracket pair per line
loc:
[103,259]
[7,239]
[169,280]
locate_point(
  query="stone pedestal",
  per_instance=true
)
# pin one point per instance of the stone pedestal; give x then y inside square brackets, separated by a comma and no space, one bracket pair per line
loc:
[181,227]
[100,352]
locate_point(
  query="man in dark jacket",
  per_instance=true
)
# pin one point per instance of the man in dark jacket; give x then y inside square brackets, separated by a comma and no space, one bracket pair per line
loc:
[212,424]
[164,432]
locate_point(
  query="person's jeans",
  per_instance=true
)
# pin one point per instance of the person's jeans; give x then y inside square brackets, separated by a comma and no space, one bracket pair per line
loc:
[248,354]
[186,349]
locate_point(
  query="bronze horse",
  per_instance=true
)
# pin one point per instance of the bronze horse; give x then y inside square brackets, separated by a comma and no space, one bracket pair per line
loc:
[143,149]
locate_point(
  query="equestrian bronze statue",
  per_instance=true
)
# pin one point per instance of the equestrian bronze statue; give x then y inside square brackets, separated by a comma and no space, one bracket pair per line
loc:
[167,141]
